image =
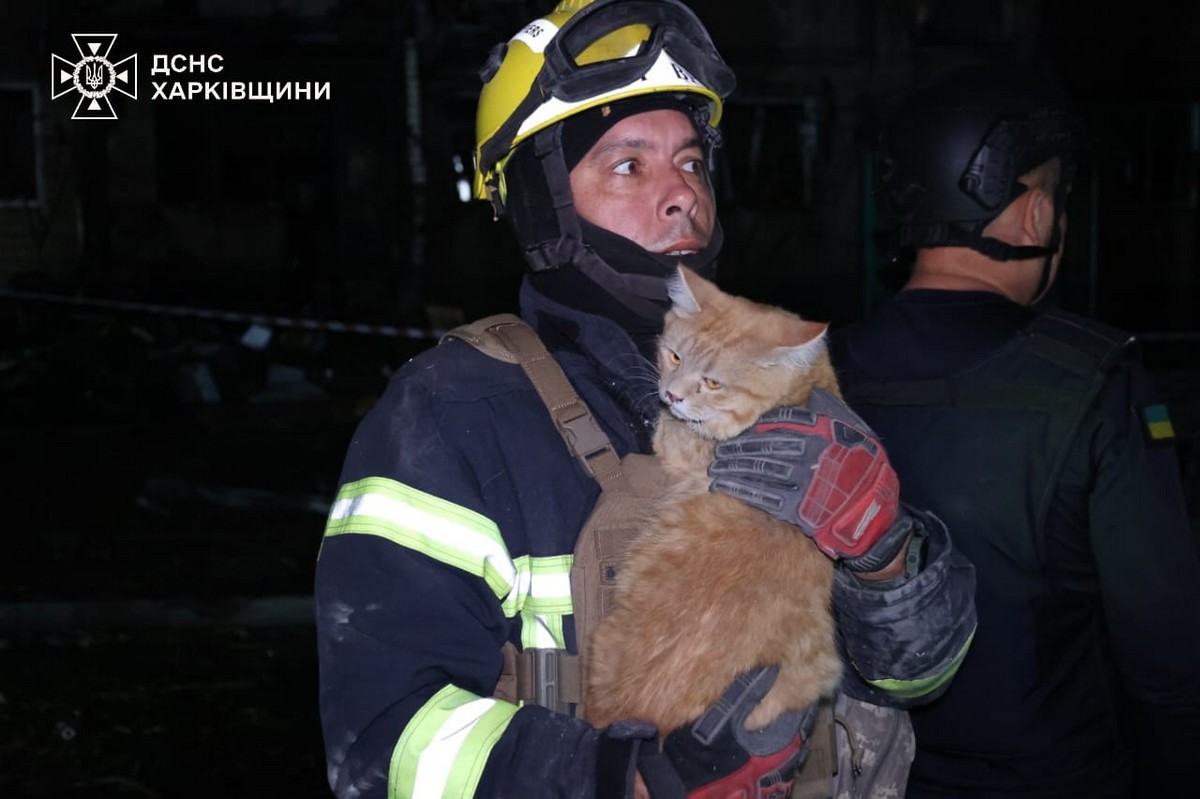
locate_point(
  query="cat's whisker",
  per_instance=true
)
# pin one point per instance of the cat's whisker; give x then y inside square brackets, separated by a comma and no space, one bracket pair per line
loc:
[634,365]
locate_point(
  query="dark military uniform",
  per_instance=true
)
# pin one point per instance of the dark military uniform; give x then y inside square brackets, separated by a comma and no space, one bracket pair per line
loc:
[1038,440]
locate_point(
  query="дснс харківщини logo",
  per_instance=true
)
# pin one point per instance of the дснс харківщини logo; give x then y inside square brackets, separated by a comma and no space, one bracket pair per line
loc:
[93,76]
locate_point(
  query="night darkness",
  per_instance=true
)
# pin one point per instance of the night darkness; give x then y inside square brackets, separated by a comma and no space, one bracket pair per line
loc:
[178,386]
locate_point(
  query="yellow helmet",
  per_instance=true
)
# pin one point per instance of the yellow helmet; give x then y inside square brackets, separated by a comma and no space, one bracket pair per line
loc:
[586,53]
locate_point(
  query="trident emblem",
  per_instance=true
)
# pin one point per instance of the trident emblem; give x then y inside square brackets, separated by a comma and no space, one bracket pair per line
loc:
[94,72]
[93,76]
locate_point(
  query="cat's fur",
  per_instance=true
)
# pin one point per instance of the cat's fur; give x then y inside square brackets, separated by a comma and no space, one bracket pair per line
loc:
[713,587]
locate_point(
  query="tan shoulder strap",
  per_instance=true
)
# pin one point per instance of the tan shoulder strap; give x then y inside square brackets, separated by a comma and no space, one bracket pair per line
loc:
[548,677]
[476,334]
[508,338]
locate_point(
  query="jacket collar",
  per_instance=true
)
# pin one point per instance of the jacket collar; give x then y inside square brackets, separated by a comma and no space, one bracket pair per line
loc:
[610,350]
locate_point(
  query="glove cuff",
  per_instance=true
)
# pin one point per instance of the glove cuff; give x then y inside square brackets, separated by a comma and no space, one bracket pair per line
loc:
[883,551]
[659,774]
[617,755]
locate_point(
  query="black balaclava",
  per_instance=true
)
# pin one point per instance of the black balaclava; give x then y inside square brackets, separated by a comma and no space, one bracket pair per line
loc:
[580,264]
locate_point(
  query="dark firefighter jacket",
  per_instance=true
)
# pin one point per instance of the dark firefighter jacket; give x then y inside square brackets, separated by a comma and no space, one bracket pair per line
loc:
[1034,438]
[452,532]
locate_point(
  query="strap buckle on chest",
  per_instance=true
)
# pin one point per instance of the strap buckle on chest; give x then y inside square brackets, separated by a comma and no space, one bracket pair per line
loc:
[585,437]
[551,678]
[555,677]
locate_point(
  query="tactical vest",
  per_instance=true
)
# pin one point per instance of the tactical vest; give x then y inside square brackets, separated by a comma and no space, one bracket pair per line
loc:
[554,678]
[1011,420]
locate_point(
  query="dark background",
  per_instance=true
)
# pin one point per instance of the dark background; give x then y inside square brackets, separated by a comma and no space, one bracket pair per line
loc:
[167,470]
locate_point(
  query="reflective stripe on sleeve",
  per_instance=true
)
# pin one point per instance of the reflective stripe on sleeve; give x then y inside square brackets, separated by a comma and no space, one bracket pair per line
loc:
[445,746]
[912,689]
[456,536]
[549,583]
[446,532]
[542,632]
[548,601]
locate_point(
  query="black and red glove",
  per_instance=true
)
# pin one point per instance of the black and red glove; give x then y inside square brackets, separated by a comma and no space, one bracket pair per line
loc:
[821,468]
[714,757]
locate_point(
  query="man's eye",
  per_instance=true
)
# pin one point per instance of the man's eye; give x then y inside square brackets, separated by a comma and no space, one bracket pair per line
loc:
[626,167]
[694,165]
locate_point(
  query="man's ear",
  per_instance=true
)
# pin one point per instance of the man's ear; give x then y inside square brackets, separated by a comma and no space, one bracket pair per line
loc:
[1037,216]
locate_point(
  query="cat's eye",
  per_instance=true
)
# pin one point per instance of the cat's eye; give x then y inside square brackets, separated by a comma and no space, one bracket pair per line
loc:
[673,358]
[712,384]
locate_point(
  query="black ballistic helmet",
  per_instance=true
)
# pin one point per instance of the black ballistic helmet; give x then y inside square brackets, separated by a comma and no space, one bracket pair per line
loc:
[950,158]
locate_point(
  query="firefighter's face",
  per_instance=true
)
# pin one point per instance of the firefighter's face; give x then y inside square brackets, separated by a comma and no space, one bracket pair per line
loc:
[645,179]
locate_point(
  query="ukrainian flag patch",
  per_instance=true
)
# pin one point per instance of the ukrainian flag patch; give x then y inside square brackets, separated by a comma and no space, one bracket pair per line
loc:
[1158,424]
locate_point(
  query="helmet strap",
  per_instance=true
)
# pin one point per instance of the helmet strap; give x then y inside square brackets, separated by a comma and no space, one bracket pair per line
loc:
[970,234]
[1052,245]
[644,295]
[950,234]
[547,148]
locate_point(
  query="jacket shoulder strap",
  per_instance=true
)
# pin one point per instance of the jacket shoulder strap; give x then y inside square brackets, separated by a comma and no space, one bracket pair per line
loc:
[549,677]
[508,338]
[476,334]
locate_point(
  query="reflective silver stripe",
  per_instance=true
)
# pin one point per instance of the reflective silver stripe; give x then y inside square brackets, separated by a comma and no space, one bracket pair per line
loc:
[456,536]
[549,583]
[548,601]
[442,530]
[540,631]
[443,749]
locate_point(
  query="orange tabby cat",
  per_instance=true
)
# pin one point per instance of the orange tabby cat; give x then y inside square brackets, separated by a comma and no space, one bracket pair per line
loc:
[713,587]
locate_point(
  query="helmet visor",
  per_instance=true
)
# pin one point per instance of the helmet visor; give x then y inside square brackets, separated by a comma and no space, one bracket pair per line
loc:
[606,51]
[608,45]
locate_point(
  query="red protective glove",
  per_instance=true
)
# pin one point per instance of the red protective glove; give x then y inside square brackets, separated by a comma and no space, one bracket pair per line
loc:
[822,469]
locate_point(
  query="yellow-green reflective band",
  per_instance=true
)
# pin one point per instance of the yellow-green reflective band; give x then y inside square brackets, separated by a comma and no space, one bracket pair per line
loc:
[549,583]
[549,599]
[445,746]
[540,631]
[442,530]
[456,536]
[911,689]
[543,585]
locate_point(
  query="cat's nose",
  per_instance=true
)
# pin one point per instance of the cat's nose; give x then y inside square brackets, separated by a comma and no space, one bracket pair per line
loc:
[671,398]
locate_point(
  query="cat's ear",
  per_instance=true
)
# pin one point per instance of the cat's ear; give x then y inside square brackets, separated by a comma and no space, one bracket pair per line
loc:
[681,294]
[800,356]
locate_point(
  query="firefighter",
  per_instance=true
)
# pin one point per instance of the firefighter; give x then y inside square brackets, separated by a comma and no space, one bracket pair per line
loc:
[459,504]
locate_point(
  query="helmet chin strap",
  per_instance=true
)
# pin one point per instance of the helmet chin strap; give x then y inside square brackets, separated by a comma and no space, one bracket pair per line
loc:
[959,234]
[970,234]
[1043,280]
[1048,260]
[1060,207]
